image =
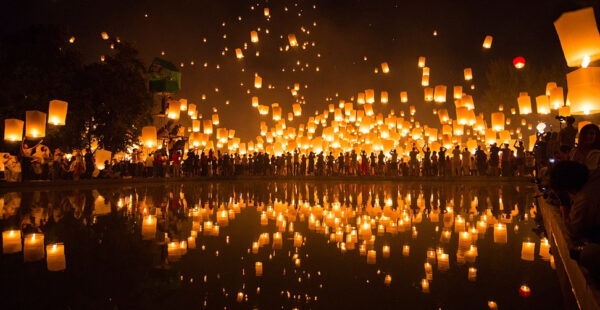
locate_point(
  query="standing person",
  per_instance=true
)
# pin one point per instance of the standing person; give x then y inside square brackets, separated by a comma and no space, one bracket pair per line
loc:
[78,167]
[373,166]
[341,163]
[311,163]
[149,163]
[364,163]
[426,161]
[302,171]
[494,160]
[434,164]
[587,151]
[296,163]
[380,163]
[56,160]
[89,164]
[414,162]
[466,161]
[506,167]
[354,166]
[456,161]
[442,161]
[481,158]
[520,158]
[394,163]
[567,135]
[175,158]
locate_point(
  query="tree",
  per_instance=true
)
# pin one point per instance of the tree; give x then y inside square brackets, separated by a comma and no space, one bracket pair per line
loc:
[108,101]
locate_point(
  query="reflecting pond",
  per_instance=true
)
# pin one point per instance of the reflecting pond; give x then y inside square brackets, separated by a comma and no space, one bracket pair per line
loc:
[284,245]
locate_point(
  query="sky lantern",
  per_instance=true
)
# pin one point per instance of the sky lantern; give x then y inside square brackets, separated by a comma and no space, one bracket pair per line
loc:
[468,74]
[369,95]
[564,111]
[257,81]
[428,94]
[426,71]
[292,40]
[579,37]
[385,68]
[238,53]
[266,12]
[543,104]
[57,112]
[458,92]
[421,62]
[584,91]
[519,62]
[183,104]
[557,99]
[425,80]
[487,42]
[149,136]
[215,119]
[13,130]
[254,36]
[174,110]
[104,35]
[276,111]
[35,124]
[498,121]
[254,101]
[384,97]
[403,97]
[440,94]
[524,102]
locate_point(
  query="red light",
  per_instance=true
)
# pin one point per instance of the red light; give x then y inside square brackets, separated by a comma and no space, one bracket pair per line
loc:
[524,291]
[519,62]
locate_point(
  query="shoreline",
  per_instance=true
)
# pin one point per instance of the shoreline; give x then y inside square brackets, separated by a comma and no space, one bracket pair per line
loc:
[33,185]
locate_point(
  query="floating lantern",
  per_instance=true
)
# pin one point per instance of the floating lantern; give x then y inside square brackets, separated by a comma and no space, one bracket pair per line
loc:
[440,94]
[258,267]
[183,104]
[498,121]
[369,95]
[297,109]
[207,127]
[385,68]
[564,111]
[428,94]
[57,112]
[543,104]
[13,130]
[527,251]
[458,90]
[104,35]
[425,80]
[524,102]
[33,249]
[149,227]
[149,136]
[405,250]
[384,97]
[55,257]
[519,62]
[472,276]
[425,285]
[266,12]
[257,81]
[579,37]
[550,86]
[174,110]
[524,291]
[404,97]
[292,40]
[254,101]
[215,119]
[426,71]
[584,91]
[468,74]
[35,124]
[238,53]
[11,241]
[487,42]
[421,62]
[500,233]
[557,98]
[254,36]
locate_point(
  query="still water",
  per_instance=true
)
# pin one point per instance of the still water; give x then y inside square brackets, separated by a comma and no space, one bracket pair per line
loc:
[277,245]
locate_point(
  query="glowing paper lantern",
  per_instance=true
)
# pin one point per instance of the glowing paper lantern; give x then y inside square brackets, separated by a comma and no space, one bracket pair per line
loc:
[468,74]
[404,97]
[557,98]
[11,241]
[421,62]
[257,81]
[498,121]
[207,127]
[550,86]
[104,35]
[215,119]
[35,124]
[458,91]
[254,36]
[384,97]
[487,42]
[57,112]
[369,95]
[579,37]
[13,129]
[428,94]
[385,68]
[584,91]
[149,136]
[174,110]
[33,249]
[292,40]
[440,94]
[519,62]
[524,102]
[55,257]
[425,80]
[238,53]
[183,104]
[297,108]
[254,101]
[543,104]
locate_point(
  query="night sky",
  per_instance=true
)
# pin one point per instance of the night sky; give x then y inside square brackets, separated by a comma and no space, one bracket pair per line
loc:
[338,35]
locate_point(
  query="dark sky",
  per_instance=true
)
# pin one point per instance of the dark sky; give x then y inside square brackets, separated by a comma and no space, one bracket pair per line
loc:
[346,31]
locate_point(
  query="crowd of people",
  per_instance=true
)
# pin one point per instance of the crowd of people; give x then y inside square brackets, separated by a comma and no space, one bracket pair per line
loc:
[39,163]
